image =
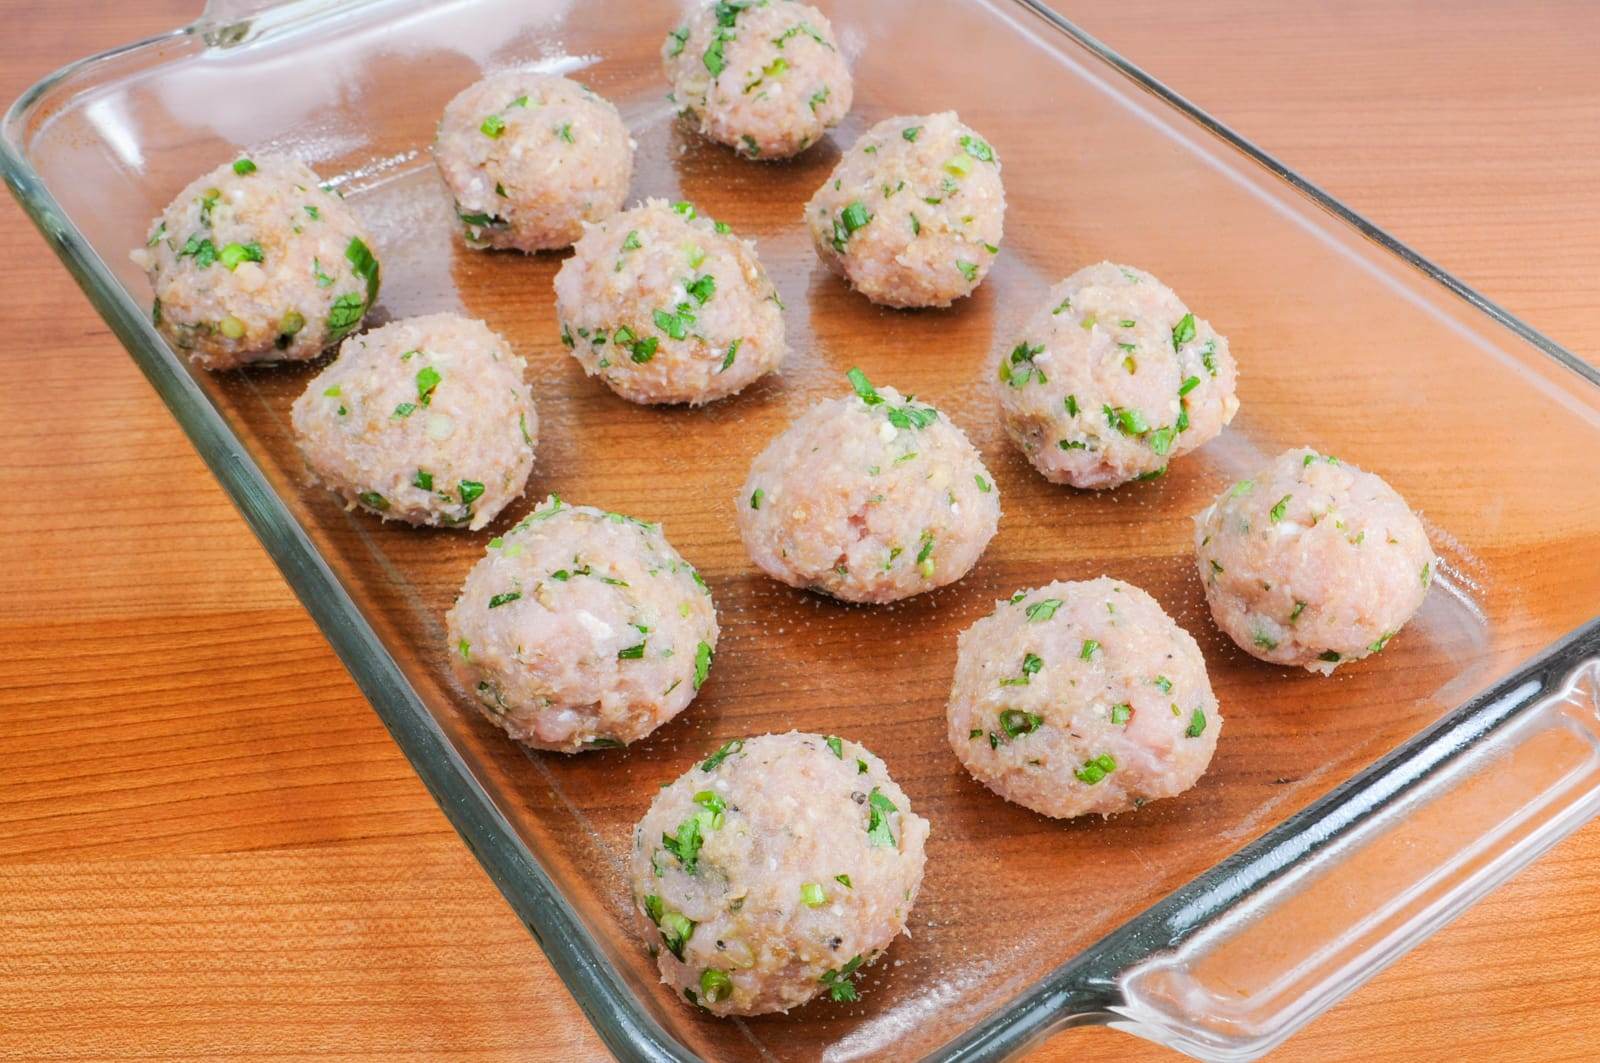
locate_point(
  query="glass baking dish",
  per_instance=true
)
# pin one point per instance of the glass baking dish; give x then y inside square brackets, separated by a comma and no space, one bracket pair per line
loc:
[1343,819]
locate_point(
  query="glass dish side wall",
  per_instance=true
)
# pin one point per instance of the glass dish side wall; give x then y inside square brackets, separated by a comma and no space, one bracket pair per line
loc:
[1339,343]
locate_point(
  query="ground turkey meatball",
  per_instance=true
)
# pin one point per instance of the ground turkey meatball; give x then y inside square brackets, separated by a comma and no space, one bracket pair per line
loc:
[425,420]
[913,213]
[531,157]
[667,306]
[256,262]
[582,628]
[774,871]
[1113,378]
[763,77]
[1312,562]
[1082,697]
[869,498]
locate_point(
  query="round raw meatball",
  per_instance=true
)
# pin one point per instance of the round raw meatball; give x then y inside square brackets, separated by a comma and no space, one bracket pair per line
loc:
[531,157]
[913,213]
[1312,562]
[581,628]
[869,498]
[765,78]
[774,871]
[667,306]
[426,420]
[257,262]
[1113,378]
[1082,697]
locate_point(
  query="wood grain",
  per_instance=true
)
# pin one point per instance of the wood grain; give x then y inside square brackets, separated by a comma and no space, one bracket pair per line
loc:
[209,848]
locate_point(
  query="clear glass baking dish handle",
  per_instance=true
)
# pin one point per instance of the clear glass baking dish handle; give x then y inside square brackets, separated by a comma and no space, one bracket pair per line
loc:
[1232,964]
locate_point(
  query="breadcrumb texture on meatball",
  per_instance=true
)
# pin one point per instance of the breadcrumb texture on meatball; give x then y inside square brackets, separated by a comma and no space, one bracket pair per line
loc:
[425,420]
[914,212]
[1082,697]
[665,305]
[1312,562]
[581,629]
[1113,378]
[530,158]
[256,261]
[872,497]
[764,77]
[774,871]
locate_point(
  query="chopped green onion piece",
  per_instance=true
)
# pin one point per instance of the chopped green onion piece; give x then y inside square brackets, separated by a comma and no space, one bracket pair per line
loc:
[1096,768]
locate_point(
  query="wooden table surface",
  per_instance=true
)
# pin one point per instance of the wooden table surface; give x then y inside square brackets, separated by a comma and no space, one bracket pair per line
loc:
[209,847]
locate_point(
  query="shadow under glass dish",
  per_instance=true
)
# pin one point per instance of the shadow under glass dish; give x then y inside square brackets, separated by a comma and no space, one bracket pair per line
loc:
[1342,345]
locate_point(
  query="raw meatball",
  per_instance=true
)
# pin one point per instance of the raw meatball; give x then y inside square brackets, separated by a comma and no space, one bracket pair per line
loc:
[256,262]
[1082,697]
[869,498]
[1113,378]
[665,305]
[1312,562]
[764,77]
[774,871]
[531,157]
[582,628]
[425,420]
[913,213]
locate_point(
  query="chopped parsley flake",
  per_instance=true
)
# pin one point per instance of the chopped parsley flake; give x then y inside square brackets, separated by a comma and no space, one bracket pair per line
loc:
[728,750]
[1090,646]
[1197,724]
[1015,722]
[501,599]
[863,387]
[977,149]
[1041,611]
[840,983]
[836,744]
[244,166]
[427,380]
[1183,331]
[702,664]
[1277,511]
[493,127]
[878,832]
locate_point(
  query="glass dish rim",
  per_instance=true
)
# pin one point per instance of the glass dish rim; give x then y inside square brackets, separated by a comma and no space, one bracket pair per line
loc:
[1080,990]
